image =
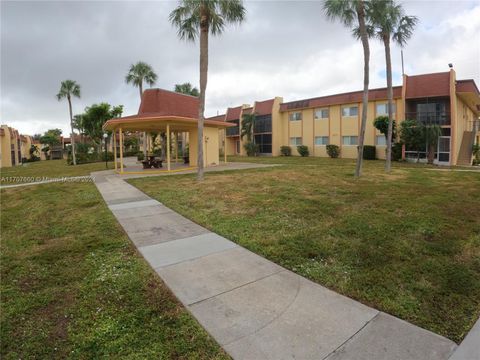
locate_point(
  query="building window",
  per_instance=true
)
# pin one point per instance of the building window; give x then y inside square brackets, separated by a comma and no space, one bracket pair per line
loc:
[382,110]
[295,141]
[350,140]
[321,114]
[295,116]
[264,143]
[349,111]
[262,124]
[380,140]
[321,140]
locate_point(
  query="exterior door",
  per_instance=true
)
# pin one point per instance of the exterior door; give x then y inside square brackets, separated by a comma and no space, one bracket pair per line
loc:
[443,151]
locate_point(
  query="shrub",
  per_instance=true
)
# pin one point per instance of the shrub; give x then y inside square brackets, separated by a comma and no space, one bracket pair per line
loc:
[285,150]
[303,150]
[369,152]
[333,151]
[109,156]
[140,156]
[251,148]
[397,152]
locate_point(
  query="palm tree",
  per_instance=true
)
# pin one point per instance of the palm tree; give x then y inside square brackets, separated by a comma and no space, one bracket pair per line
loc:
[248,121]
[138,74]
[69,88]
[352,13]
[390,22]
[187,89]
[199,18]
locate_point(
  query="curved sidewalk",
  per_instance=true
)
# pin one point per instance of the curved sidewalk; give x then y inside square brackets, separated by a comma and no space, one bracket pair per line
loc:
[254,308]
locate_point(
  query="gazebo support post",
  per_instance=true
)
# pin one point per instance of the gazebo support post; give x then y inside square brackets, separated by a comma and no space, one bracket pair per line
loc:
[168,147]
[176,148]
[115,148]
[225,146]
[121,150]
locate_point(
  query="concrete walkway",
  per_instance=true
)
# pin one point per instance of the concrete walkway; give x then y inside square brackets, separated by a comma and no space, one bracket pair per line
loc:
[254,308]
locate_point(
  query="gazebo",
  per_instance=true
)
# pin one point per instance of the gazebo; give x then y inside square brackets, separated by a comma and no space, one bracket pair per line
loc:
[168,112]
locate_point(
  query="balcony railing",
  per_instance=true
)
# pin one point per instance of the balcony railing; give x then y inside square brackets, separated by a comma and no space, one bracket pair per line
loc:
[429,118]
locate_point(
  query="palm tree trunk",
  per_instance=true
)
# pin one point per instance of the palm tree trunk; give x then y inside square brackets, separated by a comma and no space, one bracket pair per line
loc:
[366,59]
[203,87]
[144,135]
[388,62]
[72,137]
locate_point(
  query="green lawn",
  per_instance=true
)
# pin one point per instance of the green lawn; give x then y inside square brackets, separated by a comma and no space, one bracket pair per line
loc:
[407,243]
[48,169]
[73,286]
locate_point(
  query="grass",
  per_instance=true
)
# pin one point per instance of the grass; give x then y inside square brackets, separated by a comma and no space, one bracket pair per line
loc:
[36,171]
[73,286]
[407,243]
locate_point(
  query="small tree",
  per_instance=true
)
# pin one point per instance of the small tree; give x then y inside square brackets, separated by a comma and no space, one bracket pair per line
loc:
[381,124]
[95,116]
[430,135]
[412,136]
[248,123]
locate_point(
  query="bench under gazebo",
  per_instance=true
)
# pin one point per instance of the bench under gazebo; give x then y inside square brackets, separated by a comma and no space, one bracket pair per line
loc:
[175,114]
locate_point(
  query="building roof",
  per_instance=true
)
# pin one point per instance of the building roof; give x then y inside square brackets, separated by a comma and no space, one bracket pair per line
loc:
[162,102]
[264,107]
[216,118]
[428,85]
[344,98]
[467,85]
[233,113]
[247,110]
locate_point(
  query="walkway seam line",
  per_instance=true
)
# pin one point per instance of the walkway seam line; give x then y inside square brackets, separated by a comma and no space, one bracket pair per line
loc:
[353,335]
[236,287]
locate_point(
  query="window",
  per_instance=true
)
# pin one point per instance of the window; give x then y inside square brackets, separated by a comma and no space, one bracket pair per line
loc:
[321,140]
[262,124]
[295,116]
[321,114]
[382,110]
[350,140]
[295,141]
[381,141]
[349,111]
[264,142]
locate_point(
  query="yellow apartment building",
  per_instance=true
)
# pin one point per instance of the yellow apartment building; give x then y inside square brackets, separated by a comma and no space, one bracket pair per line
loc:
[13,146]
[437,98]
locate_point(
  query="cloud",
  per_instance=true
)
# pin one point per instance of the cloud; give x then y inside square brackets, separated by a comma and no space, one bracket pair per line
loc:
[285,48]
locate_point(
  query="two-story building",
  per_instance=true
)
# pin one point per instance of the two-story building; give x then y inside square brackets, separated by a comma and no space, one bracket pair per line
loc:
[437,98]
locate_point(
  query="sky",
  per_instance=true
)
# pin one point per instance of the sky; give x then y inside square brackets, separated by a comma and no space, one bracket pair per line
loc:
[284,48]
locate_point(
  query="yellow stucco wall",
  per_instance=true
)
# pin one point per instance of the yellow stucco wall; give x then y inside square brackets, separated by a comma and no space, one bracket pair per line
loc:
[335,127]
[211,146]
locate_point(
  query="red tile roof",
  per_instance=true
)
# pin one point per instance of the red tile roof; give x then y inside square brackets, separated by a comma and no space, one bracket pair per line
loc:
[337,99]
[428,85]
[216,118]
[467,86]
[233,113]
[264,107]
[168,103]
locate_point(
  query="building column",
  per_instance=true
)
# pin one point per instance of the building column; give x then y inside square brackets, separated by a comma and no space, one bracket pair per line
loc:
[225,145]
[115,148]
[121,150]
[168,147]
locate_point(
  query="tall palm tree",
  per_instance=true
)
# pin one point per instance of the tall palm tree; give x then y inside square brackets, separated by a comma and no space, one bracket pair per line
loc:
[352,13]
[187,89]
[199,18]
[69,88]
[389,21]
[138,74]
